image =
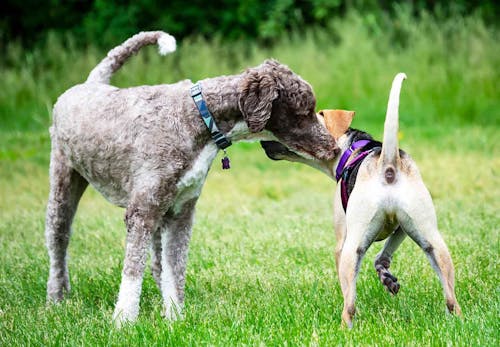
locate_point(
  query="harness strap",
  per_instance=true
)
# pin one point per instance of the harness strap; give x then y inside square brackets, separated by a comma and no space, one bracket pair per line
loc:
[345,168]
[344,193]
[345,156]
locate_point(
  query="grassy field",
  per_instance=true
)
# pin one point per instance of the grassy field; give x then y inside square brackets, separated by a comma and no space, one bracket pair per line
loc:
[261,268]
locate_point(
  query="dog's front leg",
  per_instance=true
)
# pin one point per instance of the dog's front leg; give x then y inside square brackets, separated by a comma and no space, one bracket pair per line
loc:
[156,256]
[141,221]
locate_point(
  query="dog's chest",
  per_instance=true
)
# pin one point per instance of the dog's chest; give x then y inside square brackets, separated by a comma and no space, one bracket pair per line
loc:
[191,183]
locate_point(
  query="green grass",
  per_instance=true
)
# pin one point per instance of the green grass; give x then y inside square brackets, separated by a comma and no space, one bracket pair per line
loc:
[261,268]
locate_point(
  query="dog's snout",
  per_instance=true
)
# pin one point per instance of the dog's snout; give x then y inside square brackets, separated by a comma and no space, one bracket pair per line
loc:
[331,149]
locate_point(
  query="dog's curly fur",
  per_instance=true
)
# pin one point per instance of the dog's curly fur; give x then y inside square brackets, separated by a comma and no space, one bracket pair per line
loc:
[147,149]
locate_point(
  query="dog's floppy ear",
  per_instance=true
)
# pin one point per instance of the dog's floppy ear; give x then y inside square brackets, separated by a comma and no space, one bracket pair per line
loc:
[258,90]
[337,121]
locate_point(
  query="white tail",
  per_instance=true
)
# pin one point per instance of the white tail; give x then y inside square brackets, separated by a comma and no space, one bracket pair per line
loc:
[117,56]
[390,149]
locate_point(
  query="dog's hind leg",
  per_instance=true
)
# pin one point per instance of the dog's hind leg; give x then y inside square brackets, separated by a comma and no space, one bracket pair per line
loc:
[384,258]
[419,221]
[66,189]
[361,231]
[175,243]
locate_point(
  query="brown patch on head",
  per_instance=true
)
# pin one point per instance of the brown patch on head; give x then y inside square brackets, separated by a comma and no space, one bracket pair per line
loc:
[273,98]
[337,121]
[258,91]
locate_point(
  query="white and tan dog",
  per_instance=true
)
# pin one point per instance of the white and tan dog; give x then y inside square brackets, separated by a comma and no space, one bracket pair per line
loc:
[381,195]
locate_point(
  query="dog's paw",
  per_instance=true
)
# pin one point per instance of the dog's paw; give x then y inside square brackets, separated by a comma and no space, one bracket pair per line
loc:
[454,308]
[347,317]
[57,291]
[122,318]
[172,312]
[389,281]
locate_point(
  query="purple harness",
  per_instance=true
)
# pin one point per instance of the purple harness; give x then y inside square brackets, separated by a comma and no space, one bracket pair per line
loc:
[344,167]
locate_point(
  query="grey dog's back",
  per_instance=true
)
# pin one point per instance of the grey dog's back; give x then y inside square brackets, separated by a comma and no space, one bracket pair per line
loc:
[88,106]
[97,123]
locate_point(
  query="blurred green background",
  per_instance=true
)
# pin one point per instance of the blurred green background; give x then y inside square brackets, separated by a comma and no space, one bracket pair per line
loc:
[348,50]
[261,269]
[105,23]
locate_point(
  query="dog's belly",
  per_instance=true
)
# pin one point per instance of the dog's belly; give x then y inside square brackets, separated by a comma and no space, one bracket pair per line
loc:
[107,176]
[114,185]
[112,193]
[106,163]
[388,228]
[384,234]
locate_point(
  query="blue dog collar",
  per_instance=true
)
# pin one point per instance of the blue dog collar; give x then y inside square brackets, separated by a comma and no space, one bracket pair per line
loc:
[219,138]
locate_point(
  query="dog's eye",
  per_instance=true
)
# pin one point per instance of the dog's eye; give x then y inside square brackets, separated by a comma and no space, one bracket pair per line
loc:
[321,113]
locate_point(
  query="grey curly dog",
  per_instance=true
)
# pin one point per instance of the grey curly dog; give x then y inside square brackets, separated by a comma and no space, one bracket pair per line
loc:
[148,150]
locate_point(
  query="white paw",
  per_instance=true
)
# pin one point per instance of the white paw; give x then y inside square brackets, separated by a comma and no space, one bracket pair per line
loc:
[122,317]
[172,311]
[127,306]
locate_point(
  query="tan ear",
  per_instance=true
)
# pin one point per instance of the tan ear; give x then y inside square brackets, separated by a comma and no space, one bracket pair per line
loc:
[337,121]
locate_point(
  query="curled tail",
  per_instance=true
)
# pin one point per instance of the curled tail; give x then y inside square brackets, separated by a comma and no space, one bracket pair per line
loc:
[389,158]
[117,56]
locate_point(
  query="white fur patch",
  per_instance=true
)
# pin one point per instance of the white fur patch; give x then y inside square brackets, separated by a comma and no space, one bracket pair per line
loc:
[189,186]
[166,44]
[168,286]
[127,306]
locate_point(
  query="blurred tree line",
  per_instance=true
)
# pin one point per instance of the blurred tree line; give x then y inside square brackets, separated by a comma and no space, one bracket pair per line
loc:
[104,22]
